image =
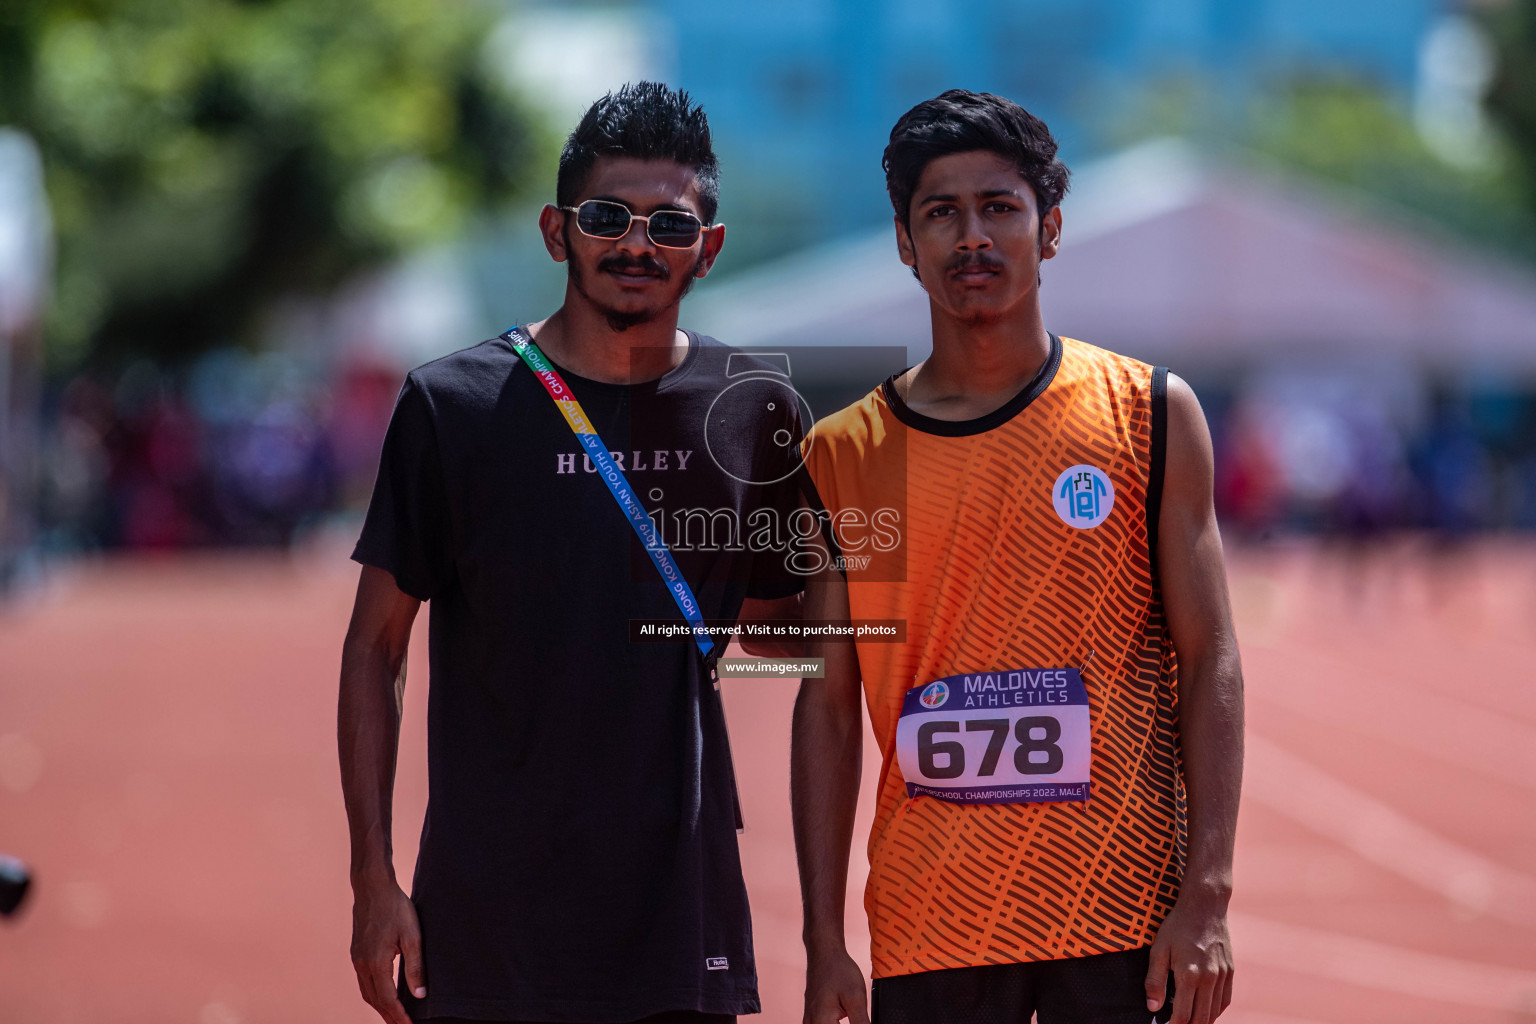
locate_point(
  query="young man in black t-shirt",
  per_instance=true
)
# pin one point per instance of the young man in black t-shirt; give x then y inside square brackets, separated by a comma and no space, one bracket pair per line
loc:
[578,860]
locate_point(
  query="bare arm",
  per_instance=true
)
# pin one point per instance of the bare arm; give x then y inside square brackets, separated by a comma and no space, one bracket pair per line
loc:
[368,738]
[780,609]
[1193,942]
[825,761]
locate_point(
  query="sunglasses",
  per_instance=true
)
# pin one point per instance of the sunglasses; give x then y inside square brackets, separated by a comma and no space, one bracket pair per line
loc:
[670,229]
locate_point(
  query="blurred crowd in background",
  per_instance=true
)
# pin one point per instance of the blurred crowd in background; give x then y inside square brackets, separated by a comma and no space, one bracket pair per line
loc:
[1295,457]
[240,449]
[202,163]
[254,449]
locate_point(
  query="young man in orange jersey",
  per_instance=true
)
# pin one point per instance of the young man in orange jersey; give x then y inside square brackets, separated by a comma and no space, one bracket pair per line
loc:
[1061,732]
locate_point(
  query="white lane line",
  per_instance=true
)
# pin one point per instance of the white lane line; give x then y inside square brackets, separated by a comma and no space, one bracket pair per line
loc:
[1384,968]
[1434,724]
[1385,837]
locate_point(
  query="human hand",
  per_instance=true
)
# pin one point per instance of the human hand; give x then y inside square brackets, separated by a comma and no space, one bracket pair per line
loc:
[834,989]
[384,925]
[1192,943]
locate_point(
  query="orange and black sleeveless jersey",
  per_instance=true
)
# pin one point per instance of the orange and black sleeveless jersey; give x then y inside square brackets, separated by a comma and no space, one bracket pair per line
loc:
[1022,539]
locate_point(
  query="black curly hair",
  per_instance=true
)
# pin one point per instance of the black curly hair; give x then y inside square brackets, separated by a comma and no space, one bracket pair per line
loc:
[961,121]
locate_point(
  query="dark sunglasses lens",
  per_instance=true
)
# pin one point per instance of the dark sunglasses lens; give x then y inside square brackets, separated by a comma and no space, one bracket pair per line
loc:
[675,229]
[605,220]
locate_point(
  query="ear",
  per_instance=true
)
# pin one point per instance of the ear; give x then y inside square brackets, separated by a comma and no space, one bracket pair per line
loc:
[552,227]
[1050,233]
[714,241]
[904,244]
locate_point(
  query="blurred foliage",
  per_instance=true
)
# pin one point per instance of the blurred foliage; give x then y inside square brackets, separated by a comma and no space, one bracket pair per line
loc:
[1353,134]
[1356,134]
[206,156]
[1512,98]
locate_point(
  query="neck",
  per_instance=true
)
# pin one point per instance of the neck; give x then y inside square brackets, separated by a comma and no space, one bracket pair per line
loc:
[579,338]
[976,368]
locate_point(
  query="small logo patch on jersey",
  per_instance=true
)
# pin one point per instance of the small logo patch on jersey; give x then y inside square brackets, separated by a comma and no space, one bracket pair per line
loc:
[1083,496]
[934,695]
[717,963]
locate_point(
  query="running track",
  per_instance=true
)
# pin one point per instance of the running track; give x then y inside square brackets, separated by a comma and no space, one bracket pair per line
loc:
[167,764]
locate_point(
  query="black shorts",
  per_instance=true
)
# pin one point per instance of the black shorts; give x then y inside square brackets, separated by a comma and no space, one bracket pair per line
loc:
[1106,989]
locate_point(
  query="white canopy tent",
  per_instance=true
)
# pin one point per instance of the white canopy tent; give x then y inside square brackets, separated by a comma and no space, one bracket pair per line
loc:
[1182,260]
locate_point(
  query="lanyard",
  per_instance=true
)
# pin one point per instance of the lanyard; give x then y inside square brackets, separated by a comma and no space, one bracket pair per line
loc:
[618,485]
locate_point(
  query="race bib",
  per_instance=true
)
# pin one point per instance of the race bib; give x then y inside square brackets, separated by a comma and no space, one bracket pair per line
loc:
[1007,737]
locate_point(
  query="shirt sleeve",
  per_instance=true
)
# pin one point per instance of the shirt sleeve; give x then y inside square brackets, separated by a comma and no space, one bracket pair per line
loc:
[406,530]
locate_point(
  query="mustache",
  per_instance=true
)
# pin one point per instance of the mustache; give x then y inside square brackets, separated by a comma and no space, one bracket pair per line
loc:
[645,263]
[968,261]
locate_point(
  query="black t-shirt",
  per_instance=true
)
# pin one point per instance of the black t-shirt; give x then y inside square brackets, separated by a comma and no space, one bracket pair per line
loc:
[578,859]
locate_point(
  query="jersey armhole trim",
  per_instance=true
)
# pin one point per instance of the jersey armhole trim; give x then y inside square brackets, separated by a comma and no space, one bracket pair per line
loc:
[806,485]
[1158,458]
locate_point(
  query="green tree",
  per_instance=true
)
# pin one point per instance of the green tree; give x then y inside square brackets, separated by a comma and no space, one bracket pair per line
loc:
[1512,96]
[1358,136]
[205,156]
[1349,131]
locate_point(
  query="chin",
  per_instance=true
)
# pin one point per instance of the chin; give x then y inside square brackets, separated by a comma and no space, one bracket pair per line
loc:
[980,310]
[978,314]
[623,320]
[623,311]
[635,305]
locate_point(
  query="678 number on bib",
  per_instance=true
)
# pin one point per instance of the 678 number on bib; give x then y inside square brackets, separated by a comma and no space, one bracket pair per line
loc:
[1010,736]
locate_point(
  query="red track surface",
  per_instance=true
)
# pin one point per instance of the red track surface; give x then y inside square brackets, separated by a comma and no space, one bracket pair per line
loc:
[167,764]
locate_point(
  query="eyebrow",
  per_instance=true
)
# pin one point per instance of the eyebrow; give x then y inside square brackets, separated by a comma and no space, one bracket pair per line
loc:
[991,193]
[672,207]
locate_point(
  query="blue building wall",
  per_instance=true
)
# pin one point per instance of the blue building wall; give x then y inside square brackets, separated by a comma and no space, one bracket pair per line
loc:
[802,93]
